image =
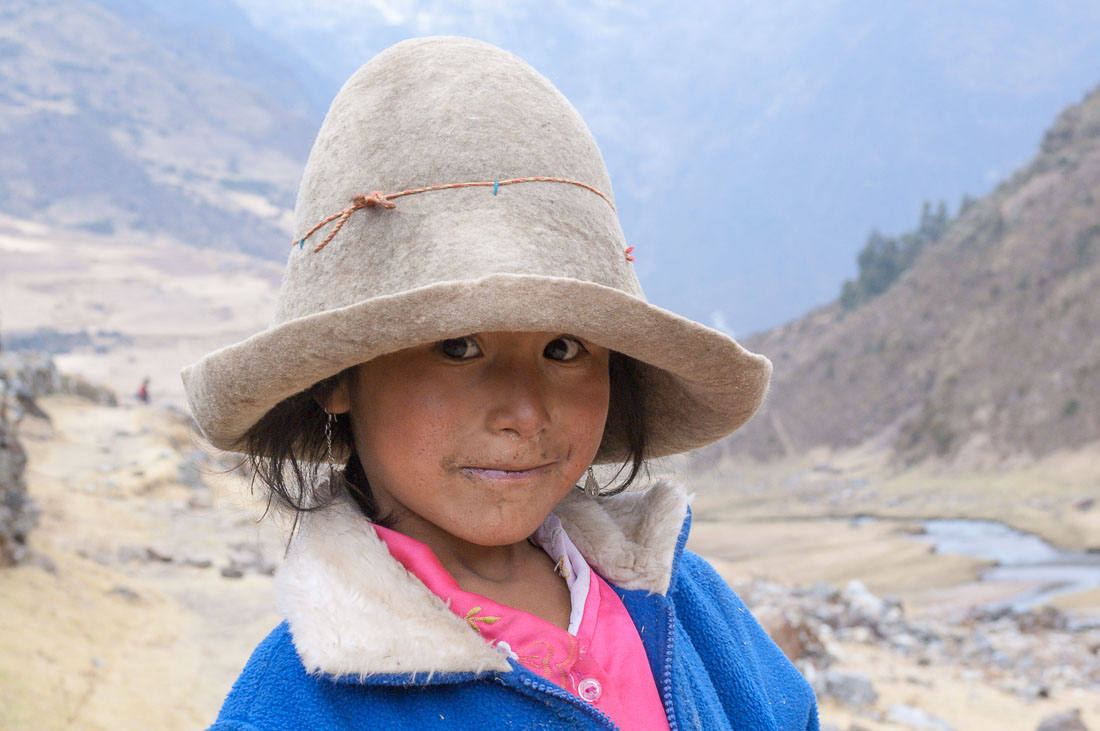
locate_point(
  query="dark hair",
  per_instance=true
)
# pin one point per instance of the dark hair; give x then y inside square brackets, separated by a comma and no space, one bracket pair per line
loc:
[288,449]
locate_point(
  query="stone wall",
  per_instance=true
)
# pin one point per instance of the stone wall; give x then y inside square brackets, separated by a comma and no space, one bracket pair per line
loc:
[17,513]
[24,378]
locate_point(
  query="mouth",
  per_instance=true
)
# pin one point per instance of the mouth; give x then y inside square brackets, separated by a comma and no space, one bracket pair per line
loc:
[509,474]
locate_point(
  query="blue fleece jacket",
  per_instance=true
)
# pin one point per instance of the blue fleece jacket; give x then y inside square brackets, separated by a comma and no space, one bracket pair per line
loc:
[714,666]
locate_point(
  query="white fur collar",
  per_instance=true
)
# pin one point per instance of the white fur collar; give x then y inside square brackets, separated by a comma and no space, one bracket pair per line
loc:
[354,610]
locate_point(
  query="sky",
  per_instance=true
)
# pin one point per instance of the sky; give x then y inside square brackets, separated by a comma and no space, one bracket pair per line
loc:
[754,145]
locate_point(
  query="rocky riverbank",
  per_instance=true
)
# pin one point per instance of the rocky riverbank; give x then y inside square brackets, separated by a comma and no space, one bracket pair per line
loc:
[1038,663]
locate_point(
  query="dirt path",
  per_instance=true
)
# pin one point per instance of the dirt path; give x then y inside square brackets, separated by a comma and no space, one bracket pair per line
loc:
[124,619]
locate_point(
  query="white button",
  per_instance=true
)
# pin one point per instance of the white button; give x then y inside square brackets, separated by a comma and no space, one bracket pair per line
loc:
[590,689]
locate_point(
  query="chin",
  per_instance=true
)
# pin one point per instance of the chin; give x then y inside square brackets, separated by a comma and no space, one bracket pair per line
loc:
[504,534]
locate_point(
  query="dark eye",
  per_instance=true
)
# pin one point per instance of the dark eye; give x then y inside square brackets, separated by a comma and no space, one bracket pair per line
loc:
[459,348]
[564,348]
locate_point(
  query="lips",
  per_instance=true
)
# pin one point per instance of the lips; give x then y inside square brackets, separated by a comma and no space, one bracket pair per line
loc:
[507,474]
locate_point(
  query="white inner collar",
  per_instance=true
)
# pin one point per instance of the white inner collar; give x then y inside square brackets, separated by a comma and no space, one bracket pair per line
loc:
[568,563]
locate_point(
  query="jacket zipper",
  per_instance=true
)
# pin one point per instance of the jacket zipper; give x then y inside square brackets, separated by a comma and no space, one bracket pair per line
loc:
[666,681]
[562,694]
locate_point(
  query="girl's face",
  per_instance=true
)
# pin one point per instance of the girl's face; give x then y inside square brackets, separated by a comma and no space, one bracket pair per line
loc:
[478,436]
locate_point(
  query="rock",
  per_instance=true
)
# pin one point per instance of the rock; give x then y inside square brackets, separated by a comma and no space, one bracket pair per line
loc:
[821,592]
[250,557]
[97,557]
[189,471]
[77,386]
[850,688]
[783,633]
[35,375]
[862,634]
[862,601]
[155,554]
[30,406]
[128,553]
[200,500]
[915,718]
[903,642]
[126,593]
[1047,618]
[29,373]
[44,562]
[198,562]
[232,572]
[1065,721]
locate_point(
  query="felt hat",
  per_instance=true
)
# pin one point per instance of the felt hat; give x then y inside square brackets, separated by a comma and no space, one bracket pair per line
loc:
[453,190]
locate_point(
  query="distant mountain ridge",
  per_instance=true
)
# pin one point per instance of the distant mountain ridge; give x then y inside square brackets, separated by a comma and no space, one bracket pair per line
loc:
[108,124]
[752,146]
[987,348]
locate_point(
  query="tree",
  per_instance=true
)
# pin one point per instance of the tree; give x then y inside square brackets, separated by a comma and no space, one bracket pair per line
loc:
[883,259]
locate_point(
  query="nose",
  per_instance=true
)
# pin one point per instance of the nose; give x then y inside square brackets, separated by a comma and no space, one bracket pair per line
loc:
[516,396]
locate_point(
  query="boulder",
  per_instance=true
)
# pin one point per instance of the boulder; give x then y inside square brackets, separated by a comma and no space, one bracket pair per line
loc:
[1065,721]
[862,601]
[850,688]
[915,718]
[782,631]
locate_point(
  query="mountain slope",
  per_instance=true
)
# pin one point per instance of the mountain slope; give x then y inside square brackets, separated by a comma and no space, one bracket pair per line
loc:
[102,127]
[987,348]
[752,146]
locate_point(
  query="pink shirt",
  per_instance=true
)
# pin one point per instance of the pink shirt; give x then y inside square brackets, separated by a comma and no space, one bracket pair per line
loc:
[600,658]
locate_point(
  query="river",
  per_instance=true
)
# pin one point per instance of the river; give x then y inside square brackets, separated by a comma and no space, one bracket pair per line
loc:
[1019,559]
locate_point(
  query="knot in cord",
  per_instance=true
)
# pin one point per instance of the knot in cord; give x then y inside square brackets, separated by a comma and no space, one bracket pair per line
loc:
[374,198]
[371,200]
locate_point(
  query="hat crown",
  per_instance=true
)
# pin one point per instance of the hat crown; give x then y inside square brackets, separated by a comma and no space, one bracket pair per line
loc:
[444,111]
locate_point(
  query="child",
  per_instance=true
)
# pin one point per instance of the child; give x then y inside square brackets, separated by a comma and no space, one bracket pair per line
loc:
[459,337]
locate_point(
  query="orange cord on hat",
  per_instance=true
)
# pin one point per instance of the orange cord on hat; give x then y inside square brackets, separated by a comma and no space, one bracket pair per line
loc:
[377,198]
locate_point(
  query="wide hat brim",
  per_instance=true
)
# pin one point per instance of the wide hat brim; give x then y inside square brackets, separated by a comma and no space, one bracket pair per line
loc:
[699,384]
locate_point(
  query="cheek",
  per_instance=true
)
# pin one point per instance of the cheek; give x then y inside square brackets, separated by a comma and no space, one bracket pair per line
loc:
[404,425]
[585,411]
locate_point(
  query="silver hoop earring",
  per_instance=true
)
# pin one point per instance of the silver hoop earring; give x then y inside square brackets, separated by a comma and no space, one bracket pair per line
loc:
[591,487]
[328,443]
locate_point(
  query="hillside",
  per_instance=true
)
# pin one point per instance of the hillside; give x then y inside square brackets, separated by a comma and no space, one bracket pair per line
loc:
[130,310]
[109,125]
[987,348]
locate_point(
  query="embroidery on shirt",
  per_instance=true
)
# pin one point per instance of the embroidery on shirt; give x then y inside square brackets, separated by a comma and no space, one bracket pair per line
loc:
[472,619]
[539,656]
[560,568]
